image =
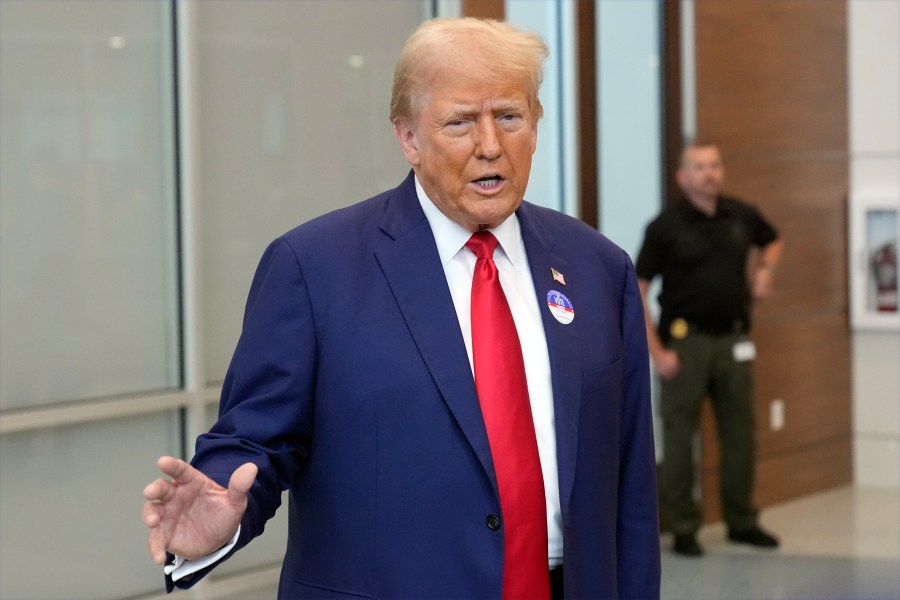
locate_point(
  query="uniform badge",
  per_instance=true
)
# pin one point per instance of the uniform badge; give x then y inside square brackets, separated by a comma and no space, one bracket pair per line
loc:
[678,329]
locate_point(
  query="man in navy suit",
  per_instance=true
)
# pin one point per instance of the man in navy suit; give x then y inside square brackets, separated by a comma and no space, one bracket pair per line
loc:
[352,382]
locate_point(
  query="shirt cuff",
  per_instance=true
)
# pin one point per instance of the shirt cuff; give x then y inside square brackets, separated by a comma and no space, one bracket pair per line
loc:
[181,568]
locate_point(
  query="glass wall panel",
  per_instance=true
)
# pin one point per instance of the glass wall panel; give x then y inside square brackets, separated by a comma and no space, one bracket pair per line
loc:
[630,136]
[70,511]
[553,181]
[294,103]
[630,130]
[88,303]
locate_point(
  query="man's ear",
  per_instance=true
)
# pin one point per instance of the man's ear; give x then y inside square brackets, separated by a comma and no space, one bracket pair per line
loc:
[408,142]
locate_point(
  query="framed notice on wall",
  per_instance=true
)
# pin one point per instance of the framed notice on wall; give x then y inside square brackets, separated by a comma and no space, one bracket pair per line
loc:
[874,231]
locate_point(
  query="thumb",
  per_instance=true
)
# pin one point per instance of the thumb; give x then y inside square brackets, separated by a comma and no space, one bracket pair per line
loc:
[241,480]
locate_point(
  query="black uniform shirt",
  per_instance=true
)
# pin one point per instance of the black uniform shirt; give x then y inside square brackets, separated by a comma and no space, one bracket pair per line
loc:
[703,263]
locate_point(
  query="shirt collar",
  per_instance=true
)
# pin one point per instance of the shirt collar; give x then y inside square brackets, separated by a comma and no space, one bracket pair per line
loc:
[450,236]
[689,209]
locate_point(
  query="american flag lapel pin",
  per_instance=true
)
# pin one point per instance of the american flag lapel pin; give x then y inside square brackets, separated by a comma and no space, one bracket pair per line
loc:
[557,276]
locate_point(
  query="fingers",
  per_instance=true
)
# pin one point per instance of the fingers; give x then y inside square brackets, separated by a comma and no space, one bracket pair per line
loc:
[176,468]
[150,514]
[242,479]
[191,495]
[156,492]
[160,490]
[156,544]
[674,370]
[152,518]
[668,369]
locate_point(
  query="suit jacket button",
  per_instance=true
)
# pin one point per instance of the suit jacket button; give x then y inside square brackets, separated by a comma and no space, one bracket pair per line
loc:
[493,522]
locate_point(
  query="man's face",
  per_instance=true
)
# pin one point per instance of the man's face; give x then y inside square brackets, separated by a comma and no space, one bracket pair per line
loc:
[470,144]
[701,172]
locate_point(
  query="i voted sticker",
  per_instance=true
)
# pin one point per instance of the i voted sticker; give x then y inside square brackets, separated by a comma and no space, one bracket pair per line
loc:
[560,307]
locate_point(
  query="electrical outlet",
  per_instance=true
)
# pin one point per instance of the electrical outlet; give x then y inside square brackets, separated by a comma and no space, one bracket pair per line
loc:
[776,414]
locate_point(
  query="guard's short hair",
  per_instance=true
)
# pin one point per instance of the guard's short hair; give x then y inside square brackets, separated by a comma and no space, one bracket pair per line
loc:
[693,144]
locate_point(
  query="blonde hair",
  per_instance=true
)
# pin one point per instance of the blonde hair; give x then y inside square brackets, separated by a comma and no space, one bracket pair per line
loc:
[493,50]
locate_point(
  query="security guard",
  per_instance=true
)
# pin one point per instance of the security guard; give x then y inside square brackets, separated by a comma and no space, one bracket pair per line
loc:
[700,247]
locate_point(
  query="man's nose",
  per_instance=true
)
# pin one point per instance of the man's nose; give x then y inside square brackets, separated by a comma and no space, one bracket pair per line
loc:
[487,140]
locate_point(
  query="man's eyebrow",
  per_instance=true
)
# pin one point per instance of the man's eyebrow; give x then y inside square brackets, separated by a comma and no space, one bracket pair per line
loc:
[465,109]
[505,105]
[458,110]
[449,112]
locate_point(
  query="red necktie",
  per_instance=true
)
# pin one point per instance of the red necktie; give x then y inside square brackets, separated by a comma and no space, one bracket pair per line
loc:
[503,395]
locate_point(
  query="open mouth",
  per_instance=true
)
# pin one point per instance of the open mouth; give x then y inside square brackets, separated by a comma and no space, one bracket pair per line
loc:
[488,182]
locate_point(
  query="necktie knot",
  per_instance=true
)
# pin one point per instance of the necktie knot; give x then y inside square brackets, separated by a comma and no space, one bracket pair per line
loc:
[482,244]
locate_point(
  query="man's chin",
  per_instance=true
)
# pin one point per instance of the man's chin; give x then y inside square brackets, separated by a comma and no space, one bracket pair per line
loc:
[491,219]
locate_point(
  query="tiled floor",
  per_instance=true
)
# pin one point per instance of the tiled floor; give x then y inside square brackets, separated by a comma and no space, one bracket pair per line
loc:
[843,544]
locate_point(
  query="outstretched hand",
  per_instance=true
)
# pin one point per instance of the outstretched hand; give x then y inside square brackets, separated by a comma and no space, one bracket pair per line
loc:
[190,514]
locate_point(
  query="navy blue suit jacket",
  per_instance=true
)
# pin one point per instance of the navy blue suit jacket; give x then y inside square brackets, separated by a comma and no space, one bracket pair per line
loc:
[351,387]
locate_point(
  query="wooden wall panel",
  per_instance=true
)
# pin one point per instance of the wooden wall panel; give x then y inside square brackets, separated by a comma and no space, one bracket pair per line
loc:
[485,9]
[784,477]
[805,197]
[588,156]
[772,92]
[772,74]
[815,412]
[815,395]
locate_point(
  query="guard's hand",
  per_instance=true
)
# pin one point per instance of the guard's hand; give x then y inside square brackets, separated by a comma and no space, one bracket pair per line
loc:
[190,514]
[667,363]
[763,284]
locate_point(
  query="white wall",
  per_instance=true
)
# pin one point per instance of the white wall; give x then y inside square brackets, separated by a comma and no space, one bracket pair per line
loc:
[874,93]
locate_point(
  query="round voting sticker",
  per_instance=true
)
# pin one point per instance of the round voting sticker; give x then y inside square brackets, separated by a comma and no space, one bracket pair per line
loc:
[560,307]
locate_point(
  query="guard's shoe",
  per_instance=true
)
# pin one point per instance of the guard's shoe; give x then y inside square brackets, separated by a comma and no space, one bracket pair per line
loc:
[753,537]
[687,545]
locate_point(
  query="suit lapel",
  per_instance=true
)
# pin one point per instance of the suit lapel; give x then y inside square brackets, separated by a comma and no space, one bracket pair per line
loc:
[562,344]
[412,267]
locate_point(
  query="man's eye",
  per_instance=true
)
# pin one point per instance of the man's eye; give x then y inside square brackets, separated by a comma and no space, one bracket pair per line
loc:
[462,122]
[511,121]
[456,127]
